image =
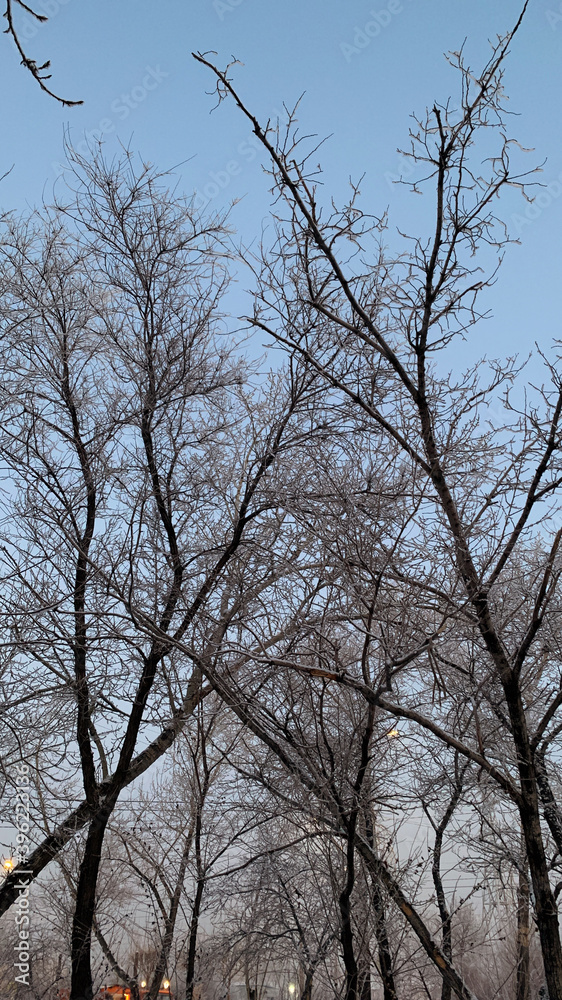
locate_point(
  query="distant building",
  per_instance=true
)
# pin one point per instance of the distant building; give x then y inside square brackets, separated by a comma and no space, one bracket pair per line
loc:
[238,991]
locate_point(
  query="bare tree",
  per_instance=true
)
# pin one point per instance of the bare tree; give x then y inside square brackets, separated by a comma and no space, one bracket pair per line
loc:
[141,500]
[482,547]
[349,555]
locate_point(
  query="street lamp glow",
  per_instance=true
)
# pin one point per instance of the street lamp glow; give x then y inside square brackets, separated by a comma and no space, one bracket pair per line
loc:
[8,864]
[393,734]
[166,984]
[143,984]
[292,988]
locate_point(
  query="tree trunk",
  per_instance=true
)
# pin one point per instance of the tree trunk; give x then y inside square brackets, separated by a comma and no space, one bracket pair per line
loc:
[523,957]
[170,925]
[192,948]
[552,813]
[446,922]
[547,914]
[384,952]
[196,909]
[346,929]
[346,937]
[306,993]
[545,904]
[81,986]
[365,985]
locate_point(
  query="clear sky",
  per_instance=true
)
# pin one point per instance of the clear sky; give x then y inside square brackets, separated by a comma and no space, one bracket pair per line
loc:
[130,61]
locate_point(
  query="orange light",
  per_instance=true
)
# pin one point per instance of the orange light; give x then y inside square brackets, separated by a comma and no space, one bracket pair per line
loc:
[8,864]
[166,984]
[393,734]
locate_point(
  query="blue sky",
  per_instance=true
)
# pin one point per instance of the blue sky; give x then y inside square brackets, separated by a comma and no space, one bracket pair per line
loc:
[130,61]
